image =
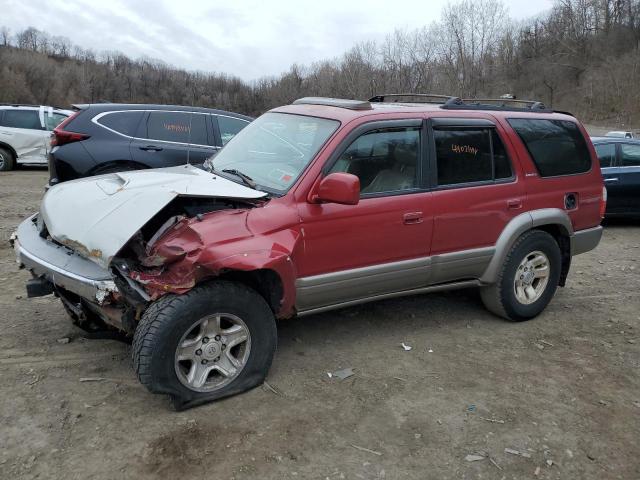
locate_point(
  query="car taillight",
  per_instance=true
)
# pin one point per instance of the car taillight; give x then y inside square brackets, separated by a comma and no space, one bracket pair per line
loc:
[603,202]
[61,136]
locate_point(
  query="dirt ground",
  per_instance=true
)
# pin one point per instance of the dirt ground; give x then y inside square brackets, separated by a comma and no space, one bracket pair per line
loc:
[563,389]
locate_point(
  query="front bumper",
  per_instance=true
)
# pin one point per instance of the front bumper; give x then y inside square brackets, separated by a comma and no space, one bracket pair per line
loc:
[60,265]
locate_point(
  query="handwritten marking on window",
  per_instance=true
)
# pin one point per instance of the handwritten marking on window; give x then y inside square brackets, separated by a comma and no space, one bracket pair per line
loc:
[464,149]
[174,127]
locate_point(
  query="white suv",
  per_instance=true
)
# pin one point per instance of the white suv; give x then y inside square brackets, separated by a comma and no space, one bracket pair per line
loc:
[25,131]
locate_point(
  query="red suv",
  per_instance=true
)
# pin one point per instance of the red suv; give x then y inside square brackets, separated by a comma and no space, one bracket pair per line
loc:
[318,205]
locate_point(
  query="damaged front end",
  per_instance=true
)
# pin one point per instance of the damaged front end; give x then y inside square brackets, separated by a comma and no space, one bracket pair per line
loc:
[96,242]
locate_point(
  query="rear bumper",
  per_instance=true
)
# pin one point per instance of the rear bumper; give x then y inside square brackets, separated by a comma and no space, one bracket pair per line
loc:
[585,240]
[61,266]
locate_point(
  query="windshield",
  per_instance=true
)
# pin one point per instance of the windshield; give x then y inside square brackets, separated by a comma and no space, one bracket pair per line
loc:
[275,148]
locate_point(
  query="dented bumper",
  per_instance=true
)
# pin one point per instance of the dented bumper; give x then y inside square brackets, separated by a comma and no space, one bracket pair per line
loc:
[61,266]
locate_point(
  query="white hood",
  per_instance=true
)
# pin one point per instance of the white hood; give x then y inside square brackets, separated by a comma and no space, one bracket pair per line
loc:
[97,216]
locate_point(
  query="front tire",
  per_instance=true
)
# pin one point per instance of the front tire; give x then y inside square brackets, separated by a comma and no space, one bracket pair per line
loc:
[7,161]
[214,341]
[528,279]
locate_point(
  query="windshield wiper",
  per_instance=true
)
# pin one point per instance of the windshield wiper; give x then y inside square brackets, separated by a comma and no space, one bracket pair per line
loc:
[246,179]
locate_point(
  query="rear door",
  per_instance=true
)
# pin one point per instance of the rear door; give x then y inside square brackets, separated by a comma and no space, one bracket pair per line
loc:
[166,138]
[476,193]
[25,130]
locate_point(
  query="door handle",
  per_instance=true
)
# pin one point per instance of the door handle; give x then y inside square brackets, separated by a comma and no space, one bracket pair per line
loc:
[514,204]
[412,218]
[151,148]
[611,179]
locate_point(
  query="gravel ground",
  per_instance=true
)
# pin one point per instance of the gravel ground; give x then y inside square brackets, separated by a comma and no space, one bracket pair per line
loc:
[562,390]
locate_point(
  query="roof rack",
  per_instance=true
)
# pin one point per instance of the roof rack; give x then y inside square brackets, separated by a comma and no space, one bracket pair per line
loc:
[334,102]
[424,97]
[449,102]
[508,104]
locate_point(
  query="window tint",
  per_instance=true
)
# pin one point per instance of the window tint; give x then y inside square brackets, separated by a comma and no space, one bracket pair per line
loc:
[629,155]
[384,160]
[229,127]
[125,123]
[466,155]
[556,146]
[606,154]
[53,120]
[22,119]
[182,127]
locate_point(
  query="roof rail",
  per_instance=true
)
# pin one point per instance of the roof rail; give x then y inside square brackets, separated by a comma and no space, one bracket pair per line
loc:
[31,105]
[506,104]
[425,97]
[19,105]
[334,102]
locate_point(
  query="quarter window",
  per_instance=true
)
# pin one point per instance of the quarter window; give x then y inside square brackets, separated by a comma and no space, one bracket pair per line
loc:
[229,127]
[180,127]
[606,154]
[469,155]
[53,120]
[557,147]
[384,160]
[629,155]
[28,119]
[125,123]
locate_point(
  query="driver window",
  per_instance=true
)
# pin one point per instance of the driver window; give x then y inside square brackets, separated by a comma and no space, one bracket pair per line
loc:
[384,160]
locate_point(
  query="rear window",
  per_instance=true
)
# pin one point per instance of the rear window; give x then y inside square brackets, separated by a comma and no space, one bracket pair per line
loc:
[125,123]
[469,155]
[180,127]
[557,147]
[22,119]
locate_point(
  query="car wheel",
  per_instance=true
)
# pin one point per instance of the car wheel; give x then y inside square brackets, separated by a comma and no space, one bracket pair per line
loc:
[528,279]
[211,342]
[7,162]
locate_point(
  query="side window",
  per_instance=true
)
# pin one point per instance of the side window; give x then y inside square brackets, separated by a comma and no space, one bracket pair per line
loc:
[606,154]
[53,120]
[22,119]
[229,127]
[629,155]
[468,155]
[181,127]
[384,160]
[125,123]
[557,147]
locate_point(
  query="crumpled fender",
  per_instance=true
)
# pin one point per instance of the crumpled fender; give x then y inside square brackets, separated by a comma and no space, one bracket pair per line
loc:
[193,251]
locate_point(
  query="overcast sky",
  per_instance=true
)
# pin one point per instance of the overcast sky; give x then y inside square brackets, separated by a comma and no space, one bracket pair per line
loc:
[246,38]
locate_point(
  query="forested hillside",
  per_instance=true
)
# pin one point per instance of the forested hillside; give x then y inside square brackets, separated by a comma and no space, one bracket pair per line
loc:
[582,56]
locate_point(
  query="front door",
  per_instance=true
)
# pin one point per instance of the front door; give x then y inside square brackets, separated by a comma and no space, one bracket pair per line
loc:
[627,187]
[381,245]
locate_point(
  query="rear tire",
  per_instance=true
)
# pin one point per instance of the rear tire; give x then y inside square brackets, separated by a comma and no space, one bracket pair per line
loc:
[214,341]
[7,161]
[528,279]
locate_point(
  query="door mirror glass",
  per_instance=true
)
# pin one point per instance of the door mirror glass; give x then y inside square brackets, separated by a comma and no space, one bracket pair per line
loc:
[342,188]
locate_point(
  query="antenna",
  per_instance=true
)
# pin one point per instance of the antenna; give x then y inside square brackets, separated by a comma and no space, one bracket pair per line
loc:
[189,136]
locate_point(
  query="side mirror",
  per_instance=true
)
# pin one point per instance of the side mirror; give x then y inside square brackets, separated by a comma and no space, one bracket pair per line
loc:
[342,188]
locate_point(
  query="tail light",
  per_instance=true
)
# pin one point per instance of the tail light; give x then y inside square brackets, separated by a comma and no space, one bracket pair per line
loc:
[603,202]
[61,136]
